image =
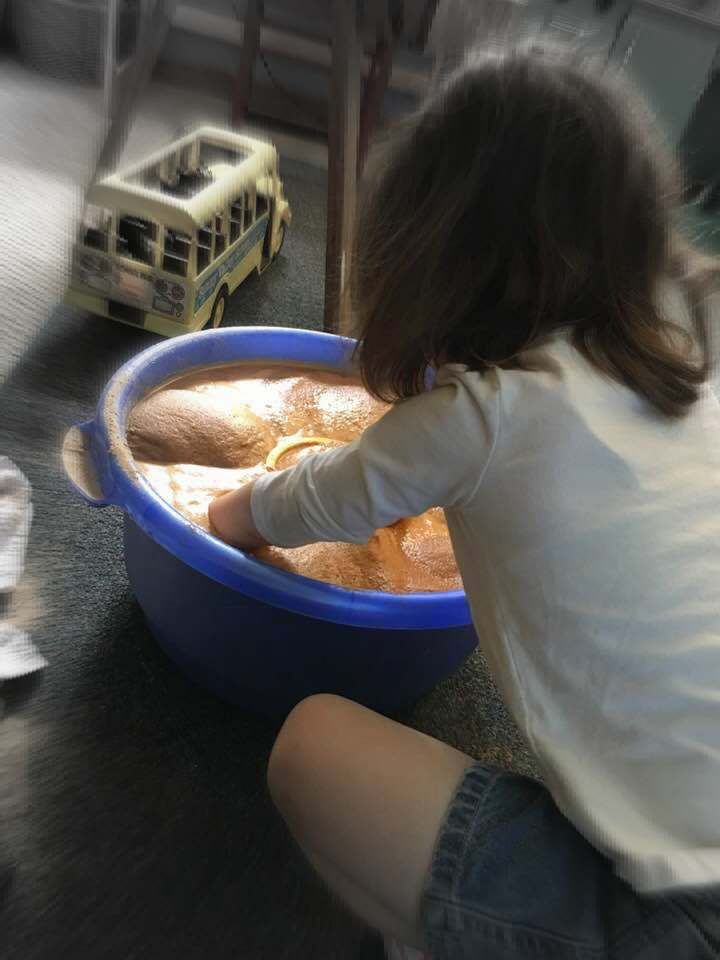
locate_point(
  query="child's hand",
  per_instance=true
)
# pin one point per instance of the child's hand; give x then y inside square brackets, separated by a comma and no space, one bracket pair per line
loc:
[231,519]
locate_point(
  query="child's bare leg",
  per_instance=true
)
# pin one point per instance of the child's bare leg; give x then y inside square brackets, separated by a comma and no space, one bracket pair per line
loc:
[365,798]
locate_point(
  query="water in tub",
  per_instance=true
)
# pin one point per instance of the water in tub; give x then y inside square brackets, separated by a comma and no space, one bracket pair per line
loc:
[213,430]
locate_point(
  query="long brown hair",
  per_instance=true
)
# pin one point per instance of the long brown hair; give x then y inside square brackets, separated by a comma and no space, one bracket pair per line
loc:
[530,194]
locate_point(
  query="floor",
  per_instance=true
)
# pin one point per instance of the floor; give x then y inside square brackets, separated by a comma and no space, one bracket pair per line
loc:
[134,819]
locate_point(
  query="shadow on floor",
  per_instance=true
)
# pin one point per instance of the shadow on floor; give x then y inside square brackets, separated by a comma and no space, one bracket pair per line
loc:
[135,816]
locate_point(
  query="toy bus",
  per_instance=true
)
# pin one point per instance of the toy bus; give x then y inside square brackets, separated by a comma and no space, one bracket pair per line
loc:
[165,242]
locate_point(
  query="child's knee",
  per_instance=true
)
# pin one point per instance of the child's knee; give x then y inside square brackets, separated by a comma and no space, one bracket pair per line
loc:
[299,748]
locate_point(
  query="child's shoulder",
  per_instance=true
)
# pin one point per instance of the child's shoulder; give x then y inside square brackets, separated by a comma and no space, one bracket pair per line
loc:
[549,361]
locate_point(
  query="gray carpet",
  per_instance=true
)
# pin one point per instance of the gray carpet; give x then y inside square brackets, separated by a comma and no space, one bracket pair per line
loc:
[134,820]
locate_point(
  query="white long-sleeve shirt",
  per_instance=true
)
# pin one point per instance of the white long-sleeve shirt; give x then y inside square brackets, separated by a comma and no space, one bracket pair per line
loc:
[587,531]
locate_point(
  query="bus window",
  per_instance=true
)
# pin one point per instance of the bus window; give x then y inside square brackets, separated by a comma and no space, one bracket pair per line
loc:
[261,207]
[96,227]
[204,247]
[177,252]
[136,239]
[249,218]
[236,219]
[185,162]
[220,235]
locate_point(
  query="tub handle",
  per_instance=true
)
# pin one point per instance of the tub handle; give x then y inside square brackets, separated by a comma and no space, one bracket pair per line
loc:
[79,464]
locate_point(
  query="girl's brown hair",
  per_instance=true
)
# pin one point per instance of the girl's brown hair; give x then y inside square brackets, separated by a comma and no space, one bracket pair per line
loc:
[529,195]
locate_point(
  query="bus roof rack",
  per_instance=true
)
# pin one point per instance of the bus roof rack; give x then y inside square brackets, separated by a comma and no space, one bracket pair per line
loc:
[227,164]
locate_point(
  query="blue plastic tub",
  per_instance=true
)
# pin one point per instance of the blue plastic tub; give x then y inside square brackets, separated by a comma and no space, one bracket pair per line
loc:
[254,634]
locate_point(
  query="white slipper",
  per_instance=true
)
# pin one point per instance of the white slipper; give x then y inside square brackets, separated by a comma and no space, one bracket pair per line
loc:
[15,516]
[18,654]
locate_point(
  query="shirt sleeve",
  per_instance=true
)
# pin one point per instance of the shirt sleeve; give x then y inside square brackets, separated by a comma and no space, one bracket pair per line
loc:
[431,450]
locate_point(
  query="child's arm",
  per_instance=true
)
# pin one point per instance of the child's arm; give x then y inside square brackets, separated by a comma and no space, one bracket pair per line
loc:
[429,451]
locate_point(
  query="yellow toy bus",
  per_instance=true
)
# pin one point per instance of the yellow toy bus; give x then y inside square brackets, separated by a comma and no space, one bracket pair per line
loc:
[165,242]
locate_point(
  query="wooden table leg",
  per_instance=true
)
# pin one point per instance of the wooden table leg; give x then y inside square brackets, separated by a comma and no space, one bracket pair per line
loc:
[250,46]
[125,89]
[343,129]
[372,100]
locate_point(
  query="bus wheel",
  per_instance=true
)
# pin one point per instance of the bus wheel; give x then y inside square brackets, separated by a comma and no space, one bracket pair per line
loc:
[218,310]
[282,240]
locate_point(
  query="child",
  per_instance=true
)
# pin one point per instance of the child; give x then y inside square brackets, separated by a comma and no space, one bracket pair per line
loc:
[520,241]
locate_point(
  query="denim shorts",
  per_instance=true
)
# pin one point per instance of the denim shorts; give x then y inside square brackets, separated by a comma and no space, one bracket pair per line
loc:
[512,878]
